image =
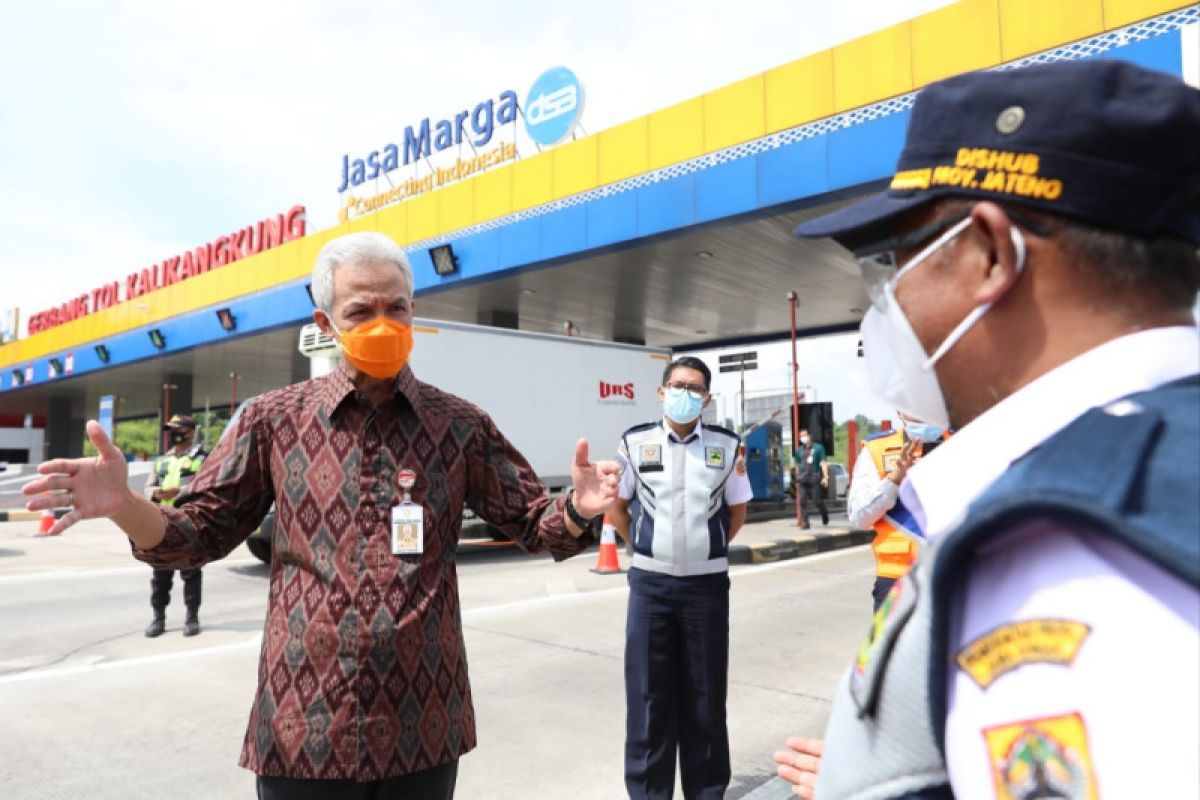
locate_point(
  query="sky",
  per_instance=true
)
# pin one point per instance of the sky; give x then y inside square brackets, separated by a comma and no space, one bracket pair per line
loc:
[132,131]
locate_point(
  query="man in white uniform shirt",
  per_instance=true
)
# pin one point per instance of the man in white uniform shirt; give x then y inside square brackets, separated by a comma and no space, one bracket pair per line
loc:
[681,500]
[1032,270]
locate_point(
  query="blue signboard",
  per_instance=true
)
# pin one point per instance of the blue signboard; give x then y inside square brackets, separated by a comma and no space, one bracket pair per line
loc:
[553,106]
[106,414]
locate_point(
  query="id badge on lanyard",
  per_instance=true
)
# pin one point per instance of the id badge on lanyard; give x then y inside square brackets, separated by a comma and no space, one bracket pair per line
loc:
[408,520]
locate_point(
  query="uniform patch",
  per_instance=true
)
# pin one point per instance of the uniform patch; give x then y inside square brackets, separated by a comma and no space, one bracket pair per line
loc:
[886,609]
[1045,757]
[651,455]
[870,665]
[1031,641]
[714,457]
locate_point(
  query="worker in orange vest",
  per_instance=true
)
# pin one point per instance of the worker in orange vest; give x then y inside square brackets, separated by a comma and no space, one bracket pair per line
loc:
[873,500]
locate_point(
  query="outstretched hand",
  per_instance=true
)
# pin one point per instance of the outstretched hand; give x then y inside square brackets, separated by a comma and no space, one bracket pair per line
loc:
[800,763]
[90,487]
[595,483]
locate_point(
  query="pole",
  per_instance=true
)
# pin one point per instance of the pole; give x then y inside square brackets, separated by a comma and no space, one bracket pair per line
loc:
[742,412]
[166,415]
[793,301]
[232,393]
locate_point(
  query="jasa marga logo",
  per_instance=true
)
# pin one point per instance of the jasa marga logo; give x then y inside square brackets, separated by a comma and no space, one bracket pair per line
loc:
[553,106]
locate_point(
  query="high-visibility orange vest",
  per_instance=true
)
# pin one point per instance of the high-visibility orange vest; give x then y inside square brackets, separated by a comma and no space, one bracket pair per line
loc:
[894,552]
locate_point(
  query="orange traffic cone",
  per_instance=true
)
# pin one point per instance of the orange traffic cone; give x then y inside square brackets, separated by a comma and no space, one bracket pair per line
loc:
[606,562]
[46,523]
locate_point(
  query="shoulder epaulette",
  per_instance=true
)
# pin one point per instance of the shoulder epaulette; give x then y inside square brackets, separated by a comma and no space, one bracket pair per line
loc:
[720,429]
[645,426]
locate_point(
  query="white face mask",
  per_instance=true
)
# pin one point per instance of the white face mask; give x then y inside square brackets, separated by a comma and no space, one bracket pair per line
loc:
[901,372]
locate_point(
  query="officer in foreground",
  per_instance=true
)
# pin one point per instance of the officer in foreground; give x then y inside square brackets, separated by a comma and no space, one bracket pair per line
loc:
[174,470]
[1032,270]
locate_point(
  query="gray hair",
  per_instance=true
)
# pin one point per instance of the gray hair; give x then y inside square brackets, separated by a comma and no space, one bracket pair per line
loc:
[367,246]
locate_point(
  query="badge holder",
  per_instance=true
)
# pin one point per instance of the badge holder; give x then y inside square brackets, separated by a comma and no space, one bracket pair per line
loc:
[408,520]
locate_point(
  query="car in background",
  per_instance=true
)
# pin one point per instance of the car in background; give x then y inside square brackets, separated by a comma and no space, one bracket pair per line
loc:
[840,480]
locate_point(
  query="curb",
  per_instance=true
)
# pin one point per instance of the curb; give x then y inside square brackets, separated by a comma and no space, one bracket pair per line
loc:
[797,546]
[22,515]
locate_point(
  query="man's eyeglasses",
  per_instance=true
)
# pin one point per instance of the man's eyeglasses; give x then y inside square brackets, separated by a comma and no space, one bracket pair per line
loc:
[880,265]
[694,392]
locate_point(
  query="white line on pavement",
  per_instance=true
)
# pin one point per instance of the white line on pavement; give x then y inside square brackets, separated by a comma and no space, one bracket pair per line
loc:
[63,672]
[740,572]
[84,572]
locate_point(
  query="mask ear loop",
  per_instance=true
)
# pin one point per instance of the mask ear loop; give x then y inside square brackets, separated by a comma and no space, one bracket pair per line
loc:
[960,330]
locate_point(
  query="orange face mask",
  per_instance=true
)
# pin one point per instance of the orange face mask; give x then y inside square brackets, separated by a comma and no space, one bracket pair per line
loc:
[379,348]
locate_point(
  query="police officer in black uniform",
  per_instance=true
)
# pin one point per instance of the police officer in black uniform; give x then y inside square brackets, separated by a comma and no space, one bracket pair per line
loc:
[173,471]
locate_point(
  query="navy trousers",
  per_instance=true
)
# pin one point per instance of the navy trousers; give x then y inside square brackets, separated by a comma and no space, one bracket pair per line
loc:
[676,676]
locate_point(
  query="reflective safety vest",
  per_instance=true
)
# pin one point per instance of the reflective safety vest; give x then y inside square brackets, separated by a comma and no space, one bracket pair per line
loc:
[894,551]
[175,472]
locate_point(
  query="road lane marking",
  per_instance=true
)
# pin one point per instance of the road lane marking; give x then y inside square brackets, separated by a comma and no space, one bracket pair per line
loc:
[468,615]
[84,572]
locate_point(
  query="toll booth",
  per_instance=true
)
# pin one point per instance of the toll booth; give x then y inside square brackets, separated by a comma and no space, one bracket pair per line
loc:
[764,461]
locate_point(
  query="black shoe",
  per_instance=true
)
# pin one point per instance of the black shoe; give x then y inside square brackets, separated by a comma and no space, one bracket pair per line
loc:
[157,626]
[191,625]
[805,526]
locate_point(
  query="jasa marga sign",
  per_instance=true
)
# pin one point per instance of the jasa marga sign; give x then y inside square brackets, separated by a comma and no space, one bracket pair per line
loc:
[552,111]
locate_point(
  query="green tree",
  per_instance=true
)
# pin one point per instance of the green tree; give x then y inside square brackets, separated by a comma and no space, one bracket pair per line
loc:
[133,436]
[137,436]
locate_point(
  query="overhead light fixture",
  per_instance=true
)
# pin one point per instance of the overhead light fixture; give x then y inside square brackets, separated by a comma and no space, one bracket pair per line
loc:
[103,354]
[157,339]
[227,319]
[856,310]
[703,254]
[18,377]
[528,291]
[444,260]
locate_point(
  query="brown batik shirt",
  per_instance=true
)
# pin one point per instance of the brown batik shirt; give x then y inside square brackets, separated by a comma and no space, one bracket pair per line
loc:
[363,673]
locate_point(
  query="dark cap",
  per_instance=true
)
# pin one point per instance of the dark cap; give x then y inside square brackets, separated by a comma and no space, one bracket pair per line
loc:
[1101,141]
[181,421]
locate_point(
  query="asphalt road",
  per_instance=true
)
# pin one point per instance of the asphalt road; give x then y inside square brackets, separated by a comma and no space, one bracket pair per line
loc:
[91,708]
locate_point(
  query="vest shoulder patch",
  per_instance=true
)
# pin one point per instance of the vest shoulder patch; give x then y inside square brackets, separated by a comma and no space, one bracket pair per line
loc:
[1030,641]
[870,665]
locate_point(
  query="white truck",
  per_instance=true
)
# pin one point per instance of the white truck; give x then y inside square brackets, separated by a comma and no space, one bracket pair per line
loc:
[544,392]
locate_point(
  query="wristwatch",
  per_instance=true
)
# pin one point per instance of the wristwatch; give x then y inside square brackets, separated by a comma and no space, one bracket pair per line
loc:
[581,522]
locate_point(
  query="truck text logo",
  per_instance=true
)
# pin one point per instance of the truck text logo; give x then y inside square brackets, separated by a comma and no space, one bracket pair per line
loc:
[616,392]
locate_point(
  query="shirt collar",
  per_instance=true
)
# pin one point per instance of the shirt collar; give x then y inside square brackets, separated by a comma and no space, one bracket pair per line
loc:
[940,487]
[337,386]
[697,432]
